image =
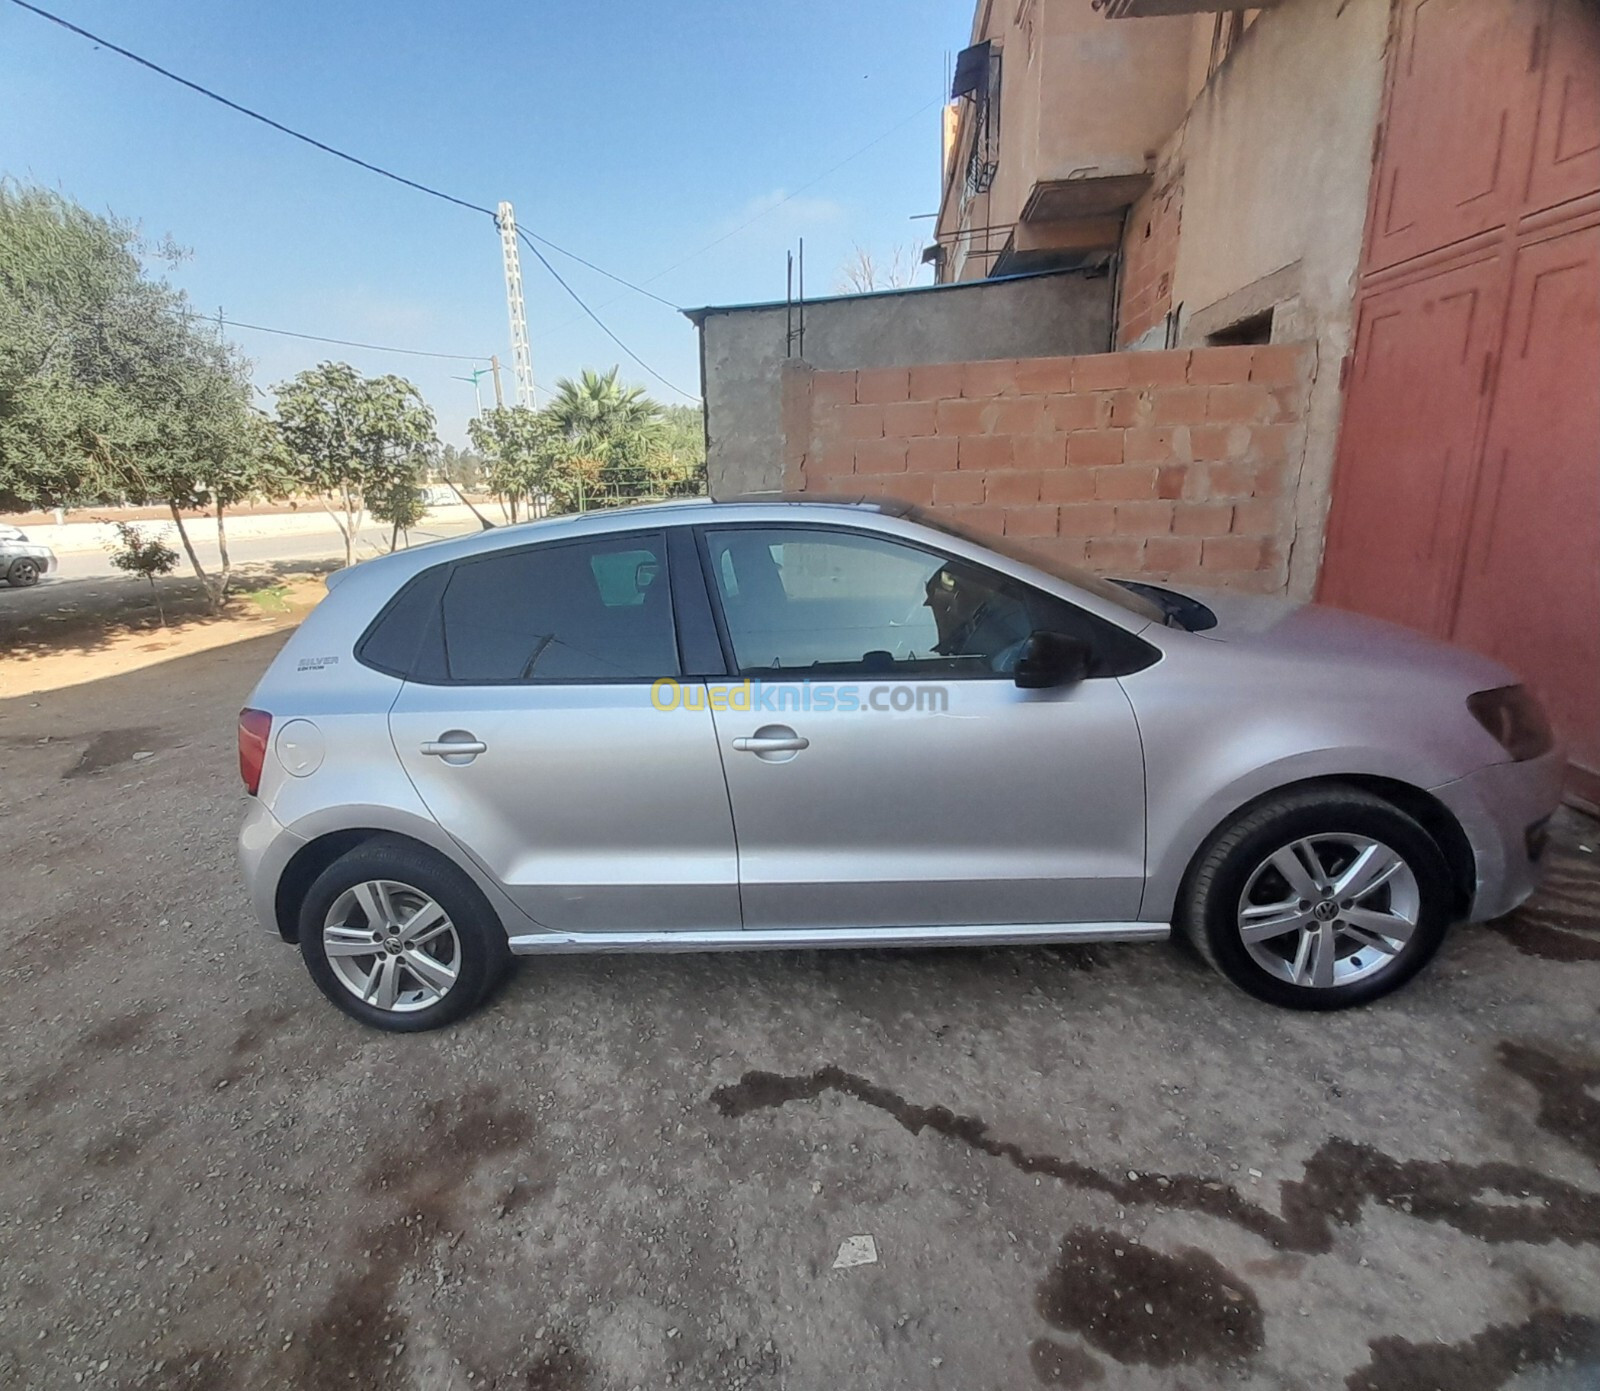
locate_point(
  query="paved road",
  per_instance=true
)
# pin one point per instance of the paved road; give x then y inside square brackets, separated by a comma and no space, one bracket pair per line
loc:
[87,580]
[1100,1168]
[370,541]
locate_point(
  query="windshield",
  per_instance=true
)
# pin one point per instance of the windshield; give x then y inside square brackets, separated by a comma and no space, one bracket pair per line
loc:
[1081,579]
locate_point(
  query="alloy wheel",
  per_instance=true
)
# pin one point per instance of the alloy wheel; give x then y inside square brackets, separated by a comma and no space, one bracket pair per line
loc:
[1328,910]
[391,946]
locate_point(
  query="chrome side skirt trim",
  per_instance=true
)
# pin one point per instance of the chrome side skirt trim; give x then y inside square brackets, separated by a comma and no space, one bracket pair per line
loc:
[1006,934]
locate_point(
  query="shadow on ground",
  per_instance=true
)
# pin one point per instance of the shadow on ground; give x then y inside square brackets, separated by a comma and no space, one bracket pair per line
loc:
[84,615]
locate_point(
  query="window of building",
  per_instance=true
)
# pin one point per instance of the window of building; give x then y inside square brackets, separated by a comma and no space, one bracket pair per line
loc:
[1255,328]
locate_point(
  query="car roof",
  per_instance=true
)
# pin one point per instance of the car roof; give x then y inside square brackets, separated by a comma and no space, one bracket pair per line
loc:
[687,511]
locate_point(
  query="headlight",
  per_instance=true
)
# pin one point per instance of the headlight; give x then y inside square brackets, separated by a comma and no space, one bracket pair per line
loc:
[1513,717]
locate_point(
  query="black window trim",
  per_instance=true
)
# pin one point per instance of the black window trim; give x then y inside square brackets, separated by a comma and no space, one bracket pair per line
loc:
[553,543]
[702,650]
[708,571]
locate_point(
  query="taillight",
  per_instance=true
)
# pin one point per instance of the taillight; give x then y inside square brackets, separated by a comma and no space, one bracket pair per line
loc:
[254,726]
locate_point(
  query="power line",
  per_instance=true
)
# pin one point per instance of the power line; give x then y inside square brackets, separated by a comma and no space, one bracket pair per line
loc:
[347,343]
[253,115]
[767,211]
[572,255]
[810,183]
[318,144]
[545,262]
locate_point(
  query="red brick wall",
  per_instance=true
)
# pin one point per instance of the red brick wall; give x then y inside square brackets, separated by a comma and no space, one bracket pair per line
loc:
[1175,465]
[1149,253]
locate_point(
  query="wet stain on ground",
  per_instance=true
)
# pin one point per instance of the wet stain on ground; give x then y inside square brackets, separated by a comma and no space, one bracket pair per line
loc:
[113,746]
[350,1345]
[1140,1305]
[261,1026]
[60,1083]
[1338,1179]
[562,1368]
[122,1032]
[1063,1364]
[1567,1089]
[1487,1360]
[191,1370]
[1563,922]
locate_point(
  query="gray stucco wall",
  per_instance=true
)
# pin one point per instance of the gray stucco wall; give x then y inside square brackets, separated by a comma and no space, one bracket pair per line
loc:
[742,351]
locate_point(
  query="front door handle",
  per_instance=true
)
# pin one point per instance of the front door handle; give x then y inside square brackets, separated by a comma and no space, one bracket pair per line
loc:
[454,746]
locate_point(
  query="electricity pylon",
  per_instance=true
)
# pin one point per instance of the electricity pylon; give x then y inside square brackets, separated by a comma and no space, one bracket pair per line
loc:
[521,357]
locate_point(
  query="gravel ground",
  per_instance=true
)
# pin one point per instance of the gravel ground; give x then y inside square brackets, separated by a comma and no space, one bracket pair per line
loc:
[1089,1167]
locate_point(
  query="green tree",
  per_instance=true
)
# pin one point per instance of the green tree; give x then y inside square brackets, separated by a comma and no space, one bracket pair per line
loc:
[75,308]
[399,501]
[513,441]
[143,557]
[111,387]
[353,438]
[599,407]
[532,460]
[462,469]
[683,470]
[619,432]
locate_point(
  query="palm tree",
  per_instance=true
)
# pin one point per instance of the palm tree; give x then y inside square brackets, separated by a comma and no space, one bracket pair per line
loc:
[597,406]
[619,429]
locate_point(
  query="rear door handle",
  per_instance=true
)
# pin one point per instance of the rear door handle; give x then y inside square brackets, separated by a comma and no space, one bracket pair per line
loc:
[451,748]
[790,743]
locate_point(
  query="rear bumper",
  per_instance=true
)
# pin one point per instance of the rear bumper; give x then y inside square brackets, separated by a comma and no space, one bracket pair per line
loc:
[1502,808]
[265,847]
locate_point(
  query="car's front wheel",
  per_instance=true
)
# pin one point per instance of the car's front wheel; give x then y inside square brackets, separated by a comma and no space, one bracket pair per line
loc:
[23,573]
[399,938]
[1319,899]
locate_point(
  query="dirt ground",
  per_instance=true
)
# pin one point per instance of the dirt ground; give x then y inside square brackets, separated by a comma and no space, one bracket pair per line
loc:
[1079,1168]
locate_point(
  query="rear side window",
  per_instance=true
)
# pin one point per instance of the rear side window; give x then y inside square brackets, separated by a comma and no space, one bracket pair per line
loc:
[393,643]
[581,611]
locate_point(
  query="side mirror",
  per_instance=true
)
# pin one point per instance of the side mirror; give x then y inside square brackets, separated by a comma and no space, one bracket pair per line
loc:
[1051,659]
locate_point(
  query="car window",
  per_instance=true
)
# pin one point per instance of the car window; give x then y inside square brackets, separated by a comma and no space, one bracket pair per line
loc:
[583,611]
[1029,554]
[395,639]
[821,601]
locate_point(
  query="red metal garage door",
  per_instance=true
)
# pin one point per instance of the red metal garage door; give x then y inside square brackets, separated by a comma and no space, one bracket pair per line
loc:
[1467,496]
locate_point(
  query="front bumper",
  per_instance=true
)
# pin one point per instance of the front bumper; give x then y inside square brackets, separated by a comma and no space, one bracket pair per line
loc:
[266,845]
[1498,807]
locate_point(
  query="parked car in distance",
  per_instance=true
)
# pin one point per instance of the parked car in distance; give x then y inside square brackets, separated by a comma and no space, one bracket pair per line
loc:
[701,726]
[22,562]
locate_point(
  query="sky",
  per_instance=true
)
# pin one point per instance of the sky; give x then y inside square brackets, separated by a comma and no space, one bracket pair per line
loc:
[633,134]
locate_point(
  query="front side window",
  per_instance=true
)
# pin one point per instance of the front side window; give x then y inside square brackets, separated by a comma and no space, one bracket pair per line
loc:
[580,611]
[835,603]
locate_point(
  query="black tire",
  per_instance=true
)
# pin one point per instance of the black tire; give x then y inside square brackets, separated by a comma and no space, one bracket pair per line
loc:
[484,955]
[23,574]
[1213,895]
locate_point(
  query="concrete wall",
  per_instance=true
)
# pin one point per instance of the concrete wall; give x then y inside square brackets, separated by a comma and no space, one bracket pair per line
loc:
[1081,97]
[1170,465]
[1274,162]
[743,350]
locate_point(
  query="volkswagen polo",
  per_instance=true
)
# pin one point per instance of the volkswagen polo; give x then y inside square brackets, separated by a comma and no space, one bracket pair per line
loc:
[705,726]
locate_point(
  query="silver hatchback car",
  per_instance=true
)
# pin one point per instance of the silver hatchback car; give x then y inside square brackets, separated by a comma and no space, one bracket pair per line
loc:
[802,724]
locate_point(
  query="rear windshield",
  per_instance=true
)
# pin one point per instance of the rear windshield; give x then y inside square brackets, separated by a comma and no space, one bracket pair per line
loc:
[1011,548]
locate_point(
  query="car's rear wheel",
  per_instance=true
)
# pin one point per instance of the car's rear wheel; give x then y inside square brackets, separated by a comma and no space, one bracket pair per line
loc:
[1319,899]
[400,939]
[23,573]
